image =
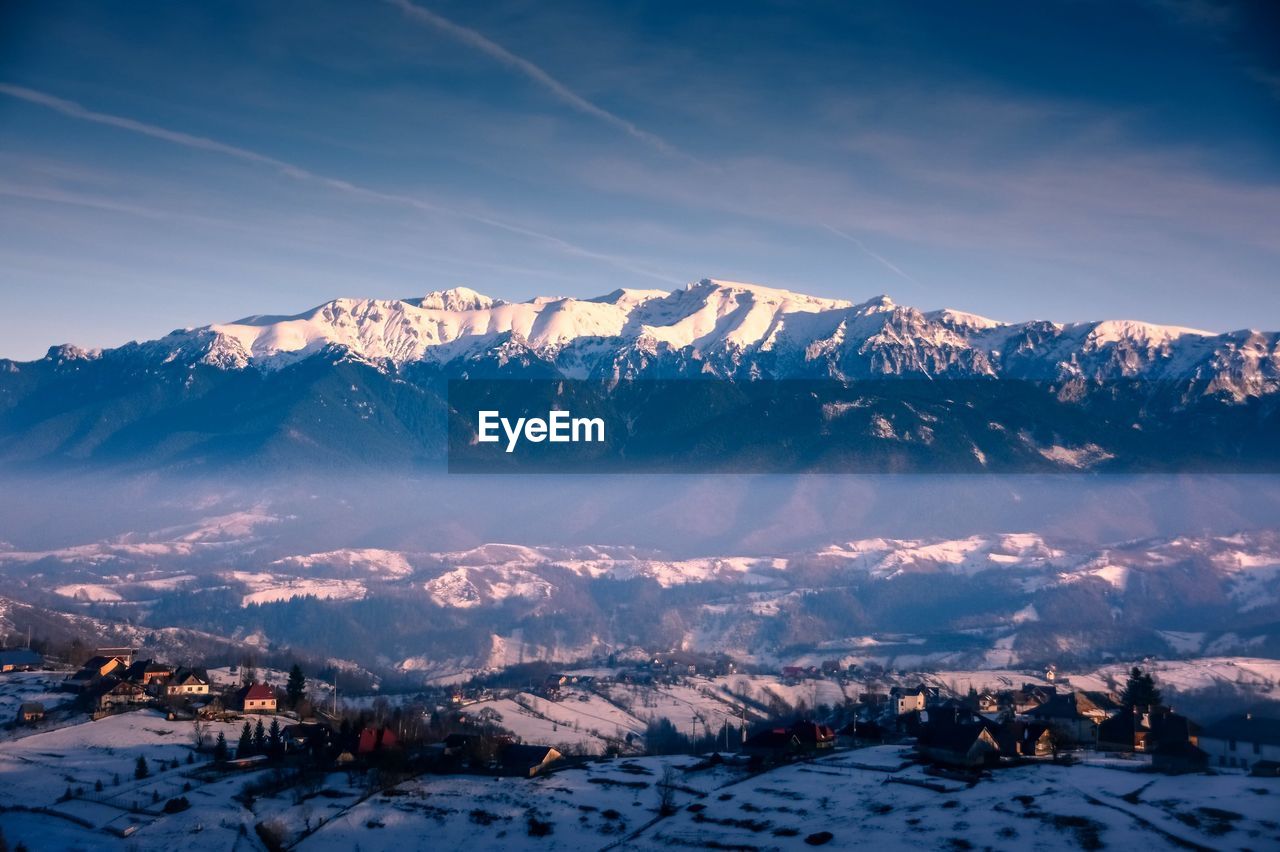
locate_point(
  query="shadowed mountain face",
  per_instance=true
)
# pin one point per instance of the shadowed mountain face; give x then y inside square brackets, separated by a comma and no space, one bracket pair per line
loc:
[365,383]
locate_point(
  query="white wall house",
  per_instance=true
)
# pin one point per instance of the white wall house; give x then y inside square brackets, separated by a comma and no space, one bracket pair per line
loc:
[1241,741]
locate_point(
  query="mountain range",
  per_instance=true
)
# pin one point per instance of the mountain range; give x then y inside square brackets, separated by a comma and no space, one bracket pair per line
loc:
[363,381]
[986,600]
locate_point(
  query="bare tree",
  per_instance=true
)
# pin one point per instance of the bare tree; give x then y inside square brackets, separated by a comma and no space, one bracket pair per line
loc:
[199,732]
[667,792]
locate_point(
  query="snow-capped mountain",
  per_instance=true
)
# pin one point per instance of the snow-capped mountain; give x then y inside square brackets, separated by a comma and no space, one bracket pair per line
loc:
[722,328]
[364,379]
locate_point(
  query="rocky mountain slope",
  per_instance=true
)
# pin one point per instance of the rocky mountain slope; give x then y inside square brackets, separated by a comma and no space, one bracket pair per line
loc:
[364,381]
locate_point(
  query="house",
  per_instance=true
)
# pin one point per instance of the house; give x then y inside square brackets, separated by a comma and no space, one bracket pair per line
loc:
[124,655]
[20,660]
[376,739]
[122,694]
[95,669]
[966,746]
[1072,715]
[1029,697]
[146,672]
[1032,739]
[526,761]
[990,702]
[29,712]
[800,737]
[905,699]
[1241,741]
[1143,729]
[256,698]
[191,682]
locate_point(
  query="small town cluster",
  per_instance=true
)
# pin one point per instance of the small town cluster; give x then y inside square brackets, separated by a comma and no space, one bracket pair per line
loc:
[951,733]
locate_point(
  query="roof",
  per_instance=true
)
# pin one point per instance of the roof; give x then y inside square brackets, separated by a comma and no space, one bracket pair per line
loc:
[124,686]
[957,738]
[1249,728]
[31,707]
[20,657]
[1068,706]
[198,675]
[258,692]
[524,756]
[772,738]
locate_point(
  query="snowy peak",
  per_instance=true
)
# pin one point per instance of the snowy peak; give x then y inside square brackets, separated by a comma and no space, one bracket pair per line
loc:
[729,329]
[455,299]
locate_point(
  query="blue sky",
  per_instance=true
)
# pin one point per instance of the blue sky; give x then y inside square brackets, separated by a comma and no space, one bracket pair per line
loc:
[173,164]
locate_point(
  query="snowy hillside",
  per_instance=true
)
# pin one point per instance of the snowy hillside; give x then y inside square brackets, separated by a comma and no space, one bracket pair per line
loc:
[981,601]
[845,799]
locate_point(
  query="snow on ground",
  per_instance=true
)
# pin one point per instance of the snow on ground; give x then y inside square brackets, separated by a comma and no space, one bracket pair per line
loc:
[19,687]
[96,592]
[361,561]
[853,795]
[267,588]
[36,771]
[870,797]
[1060,808]
[463,588]
[585,809]
[1188,675]
[41,766]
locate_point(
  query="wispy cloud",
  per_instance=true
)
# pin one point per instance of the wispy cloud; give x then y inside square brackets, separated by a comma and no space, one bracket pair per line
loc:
[495,51]
[202,143]
[883,261]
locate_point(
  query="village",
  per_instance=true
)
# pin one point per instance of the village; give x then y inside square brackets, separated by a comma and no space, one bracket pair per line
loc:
[123,744]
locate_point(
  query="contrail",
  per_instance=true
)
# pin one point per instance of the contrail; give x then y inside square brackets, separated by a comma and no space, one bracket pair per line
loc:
[470,37]
[882,260]
[202,143]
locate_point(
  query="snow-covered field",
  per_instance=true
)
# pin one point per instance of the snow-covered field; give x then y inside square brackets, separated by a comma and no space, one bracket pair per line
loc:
[37,770]
[871,797]
[19,687]
[858,797]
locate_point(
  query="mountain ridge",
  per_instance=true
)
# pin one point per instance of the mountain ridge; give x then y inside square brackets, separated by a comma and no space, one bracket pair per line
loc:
[366,381]
[716,325]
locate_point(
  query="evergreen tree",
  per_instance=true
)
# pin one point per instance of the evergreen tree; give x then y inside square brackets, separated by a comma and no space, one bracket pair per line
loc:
[220,748]
[259,738]
[1140,690]
[275,744]
[141,771]
[297,685]
[244,748]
